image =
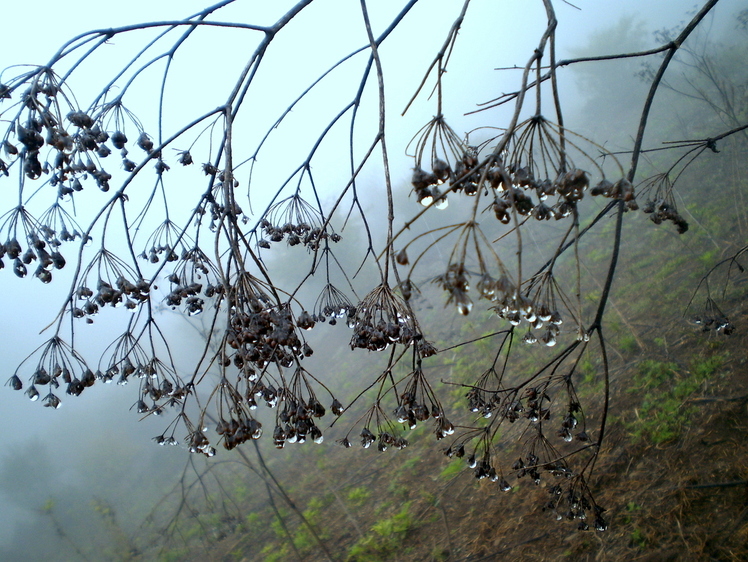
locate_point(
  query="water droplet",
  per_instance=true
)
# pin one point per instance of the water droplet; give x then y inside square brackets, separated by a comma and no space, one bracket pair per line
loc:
[19,268]
[549,338]
[464,308]
[43,275]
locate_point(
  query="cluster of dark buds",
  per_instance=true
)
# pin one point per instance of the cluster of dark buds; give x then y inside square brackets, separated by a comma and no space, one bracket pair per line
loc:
[126,358]
[539,307]
[331,305]
[185,291]
[513,184]
[237,431]
[165,440]
[261,332]
[194,274]
[47,257]
[481,401]
[122,292]
[480,464]
[520,308]
[57,362]
[295,403]
[381,319]
[233,430]
[661,205]
[455,282]
[57,226]
[298,222]
[661,210]
[159,385]
[574,502]
[76,151]
[533,161]
[426,185]
[569,424]
[418,403]
[570,427]
[40,243]
[456,279]
[384,439]
[533,405]
[163,242]
[387,440]
[528,466]
[450,161]
[713,319]
[621,190]
[119,138]
[295,420]
[220,202]
[197,442]
[482,468]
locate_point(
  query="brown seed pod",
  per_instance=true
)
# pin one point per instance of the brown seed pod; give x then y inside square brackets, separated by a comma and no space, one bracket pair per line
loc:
[145,142]
[421,179]
[10,149]
[441,169]
[118,140]
[185,158]
[80,119]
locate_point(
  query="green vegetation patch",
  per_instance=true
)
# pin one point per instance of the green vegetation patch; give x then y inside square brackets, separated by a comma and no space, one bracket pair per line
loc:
[664,410]
[385,538]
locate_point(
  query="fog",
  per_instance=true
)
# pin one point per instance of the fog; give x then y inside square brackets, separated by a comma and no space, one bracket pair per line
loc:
[59,467]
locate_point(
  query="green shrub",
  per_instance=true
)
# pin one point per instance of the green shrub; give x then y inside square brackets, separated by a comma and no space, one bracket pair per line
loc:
[385,537]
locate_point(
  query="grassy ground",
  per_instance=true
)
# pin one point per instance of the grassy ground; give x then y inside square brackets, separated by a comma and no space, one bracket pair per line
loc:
[673,474]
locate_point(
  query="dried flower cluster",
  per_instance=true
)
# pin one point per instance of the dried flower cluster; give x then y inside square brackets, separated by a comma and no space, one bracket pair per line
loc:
[712,318]
[57,362]
[531,164]
[534,176]
[331,305]
[116,285]
[382,319]
[193,275]
[574,502]
[660,206]
[298,222]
